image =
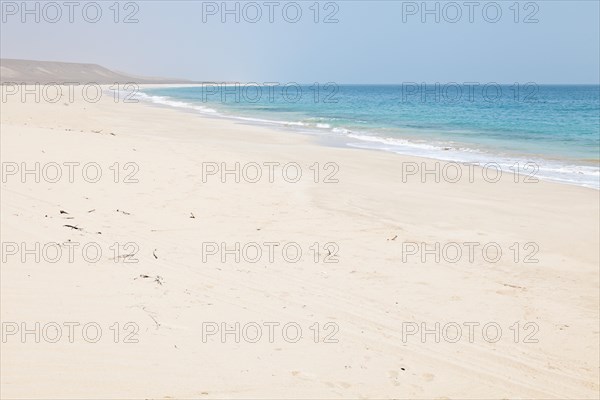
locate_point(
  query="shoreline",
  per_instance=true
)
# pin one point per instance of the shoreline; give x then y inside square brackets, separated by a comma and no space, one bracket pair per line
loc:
[403,147]
[370,294]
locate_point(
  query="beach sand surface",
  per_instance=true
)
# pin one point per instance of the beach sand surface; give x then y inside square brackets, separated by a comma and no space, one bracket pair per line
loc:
[364,304]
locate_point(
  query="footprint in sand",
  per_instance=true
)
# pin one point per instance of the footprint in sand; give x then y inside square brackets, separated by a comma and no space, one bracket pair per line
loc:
[393,375]
[344,385]
[428,377]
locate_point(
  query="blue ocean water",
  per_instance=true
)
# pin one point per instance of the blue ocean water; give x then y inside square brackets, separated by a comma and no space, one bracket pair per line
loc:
[556,127]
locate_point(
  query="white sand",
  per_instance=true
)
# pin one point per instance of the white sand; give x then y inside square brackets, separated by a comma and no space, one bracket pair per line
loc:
[369,293]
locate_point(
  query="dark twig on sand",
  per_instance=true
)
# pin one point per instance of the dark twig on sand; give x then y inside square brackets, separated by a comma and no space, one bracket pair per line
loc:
[73,227]
[158,279]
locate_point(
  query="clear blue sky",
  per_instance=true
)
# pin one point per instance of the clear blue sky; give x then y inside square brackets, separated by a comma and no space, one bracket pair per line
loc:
[370,44]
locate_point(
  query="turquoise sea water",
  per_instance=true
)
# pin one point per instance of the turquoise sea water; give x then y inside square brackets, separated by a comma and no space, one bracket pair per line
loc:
[555,126]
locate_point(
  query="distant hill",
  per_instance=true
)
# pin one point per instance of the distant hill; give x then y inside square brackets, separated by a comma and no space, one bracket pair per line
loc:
[31,71]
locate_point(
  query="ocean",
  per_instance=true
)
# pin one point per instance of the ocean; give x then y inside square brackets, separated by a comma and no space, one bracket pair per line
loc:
[555,128]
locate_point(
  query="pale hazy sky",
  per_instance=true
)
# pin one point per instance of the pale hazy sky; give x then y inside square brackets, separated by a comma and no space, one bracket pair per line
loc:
[370,43]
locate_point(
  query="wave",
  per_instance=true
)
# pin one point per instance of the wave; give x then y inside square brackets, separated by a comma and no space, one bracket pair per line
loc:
[173,103]
[558,171]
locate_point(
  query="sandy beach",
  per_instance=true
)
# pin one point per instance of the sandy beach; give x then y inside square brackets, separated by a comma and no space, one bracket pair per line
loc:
[363,311]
